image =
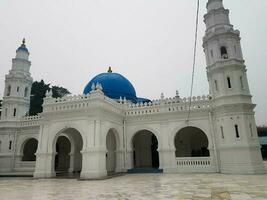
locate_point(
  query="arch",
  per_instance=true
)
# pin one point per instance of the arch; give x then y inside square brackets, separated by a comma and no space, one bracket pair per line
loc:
[28,149]
[145,149]
[133,132]
[26,92]
[224,54]
[58,130]
[67,147]
[191,141]
[204,127]
[8,92]
[116,133]
[111,146]
[62,158]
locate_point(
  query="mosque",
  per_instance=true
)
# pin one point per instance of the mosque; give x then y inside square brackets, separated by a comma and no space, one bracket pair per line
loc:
[109,129]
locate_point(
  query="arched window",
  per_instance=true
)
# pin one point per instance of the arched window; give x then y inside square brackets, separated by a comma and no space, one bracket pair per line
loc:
[224,54]
[8,92]
[216,85]
[222,132]
[251,130]
[211,53]
[241,82]
[237,131]
[10,145]
[26,92]
[14,112]
[229,82]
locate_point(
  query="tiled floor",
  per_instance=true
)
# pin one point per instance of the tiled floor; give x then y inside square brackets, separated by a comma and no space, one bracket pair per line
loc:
[137,187]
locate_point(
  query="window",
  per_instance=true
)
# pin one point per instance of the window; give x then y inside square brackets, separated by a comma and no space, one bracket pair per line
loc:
[251,130]
[216,85]
[237,131]
[241,83]
[26,92]
[229,82]
[8,91]
[10,145]
[0,145]
[235,48]
[211,53]
[222,133]
[224,54]
[18,89]
[6,112]
[15,112]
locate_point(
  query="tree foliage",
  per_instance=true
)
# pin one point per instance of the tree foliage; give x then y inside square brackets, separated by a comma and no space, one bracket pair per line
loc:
[38,92]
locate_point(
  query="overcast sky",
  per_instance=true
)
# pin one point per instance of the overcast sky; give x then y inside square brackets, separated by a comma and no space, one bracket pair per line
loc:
[148,41]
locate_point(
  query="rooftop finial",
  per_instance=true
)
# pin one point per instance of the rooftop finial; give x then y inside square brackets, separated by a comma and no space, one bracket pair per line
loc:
[109,69]
[23,41]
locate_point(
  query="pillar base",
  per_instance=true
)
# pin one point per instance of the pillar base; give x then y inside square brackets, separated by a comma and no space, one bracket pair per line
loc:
[93,174]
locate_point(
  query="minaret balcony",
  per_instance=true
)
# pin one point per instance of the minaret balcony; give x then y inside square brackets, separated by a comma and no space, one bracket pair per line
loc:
[225,63]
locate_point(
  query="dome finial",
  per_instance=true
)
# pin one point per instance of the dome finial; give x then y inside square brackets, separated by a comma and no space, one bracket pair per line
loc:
[23,41]
[109,70]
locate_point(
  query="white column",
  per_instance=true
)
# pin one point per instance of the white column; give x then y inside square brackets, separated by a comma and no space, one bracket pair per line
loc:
[94,164]
[44,165]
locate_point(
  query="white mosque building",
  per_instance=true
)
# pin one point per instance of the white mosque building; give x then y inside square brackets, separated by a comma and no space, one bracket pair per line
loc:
[108,129]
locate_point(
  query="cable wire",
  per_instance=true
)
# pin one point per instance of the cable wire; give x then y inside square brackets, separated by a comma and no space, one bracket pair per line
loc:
[194,64]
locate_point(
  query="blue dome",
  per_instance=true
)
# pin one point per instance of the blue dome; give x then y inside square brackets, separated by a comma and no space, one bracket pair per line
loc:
[23,48]
[114,86]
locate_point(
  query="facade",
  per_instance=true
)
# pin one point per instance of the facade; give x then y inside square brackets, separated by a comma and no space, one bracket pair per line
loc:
[109,129]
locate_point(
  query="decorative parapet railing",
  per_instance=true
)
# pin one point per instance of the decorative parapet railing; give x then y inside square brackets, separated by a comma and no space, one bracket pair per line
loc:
[193,161]
[30,121]
[169,105]
[122,106]
[81,102]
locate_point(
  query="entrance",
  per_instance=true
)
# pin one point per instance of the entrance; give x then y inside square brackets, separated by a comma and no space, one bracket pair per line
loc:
[145,150]
[111,152]
[68,158]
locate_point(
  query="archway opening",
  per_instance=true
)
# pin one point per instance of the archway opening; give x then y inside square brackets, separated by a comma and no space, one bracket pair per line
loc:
[29,150]
[68,157]
[145,150]
[111,152]
[62,159]
[191,142]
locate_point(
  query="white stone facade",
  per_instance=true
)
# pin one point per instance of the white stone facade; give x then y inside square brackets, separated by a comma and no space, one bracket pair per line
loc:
[93,135]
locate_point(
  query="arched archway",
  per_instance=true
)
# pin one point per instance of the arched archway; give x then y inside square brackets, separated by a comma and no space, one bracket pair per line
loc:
[29,150]
[68,158]
[191,142]
[145,150]
[111,146]
[62,159]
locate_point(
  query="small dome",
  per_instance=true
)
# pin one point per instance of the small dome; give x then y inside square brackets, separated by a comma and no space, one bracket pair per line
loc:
[114,86]
[23,47]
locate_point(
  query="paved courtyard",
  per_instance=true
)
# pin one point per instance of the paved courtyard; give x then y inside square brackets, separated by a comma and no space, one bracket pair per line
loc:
[137,187]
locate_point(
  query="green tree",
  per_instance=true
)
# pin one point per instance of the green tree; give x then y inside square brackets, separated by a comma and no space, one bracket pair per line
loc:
[59,92]
[38,94]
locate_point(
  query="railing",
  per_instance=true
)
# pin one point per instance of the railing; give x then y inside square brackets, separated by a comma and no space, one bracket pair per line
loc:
[169,105]
[193,161]
[80,102]
[30,121]
[92,100]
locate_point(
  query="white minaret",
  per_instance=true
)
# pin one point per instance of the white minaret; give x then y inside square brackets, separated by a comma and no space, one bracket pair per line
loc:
[16,100]
[236,133]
